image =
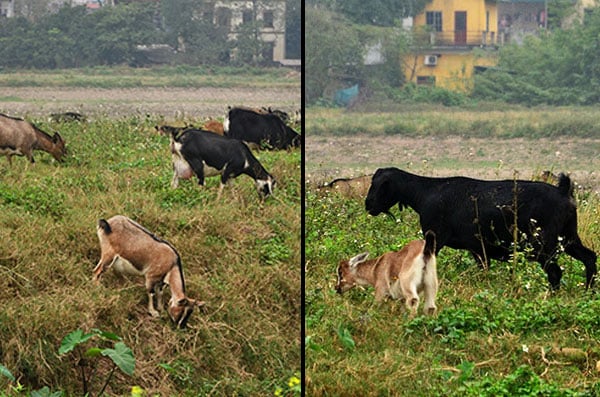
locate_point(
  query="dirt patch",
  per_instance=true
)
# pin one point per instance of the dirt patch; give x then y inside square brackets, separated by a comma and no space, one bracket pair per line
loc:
[167,102]
[329,157]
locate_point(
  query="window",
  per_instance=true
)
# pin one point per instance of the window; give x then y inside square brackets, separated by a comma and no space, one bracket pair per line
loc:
[434,19]
[268,19]
[247,16]
[426,80]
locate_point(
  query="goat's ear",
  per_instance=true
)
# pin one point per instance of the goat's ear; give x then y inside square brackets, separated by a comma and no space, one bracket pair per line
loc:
[353,262]
[182,302]
[199,303]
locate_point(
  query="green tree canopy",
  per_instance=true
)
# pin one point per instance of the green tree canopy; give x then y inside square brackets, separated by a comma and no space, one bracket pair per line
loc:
[333,52]
[561,67]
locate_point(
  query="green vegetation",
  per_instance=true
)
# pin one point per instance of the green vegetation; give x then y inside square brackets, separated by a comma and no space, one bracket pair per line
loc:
[499,332]
[121,356]
[557,67]
[487,121]
[560,68]
[74,37]
[163,76]
[239,254]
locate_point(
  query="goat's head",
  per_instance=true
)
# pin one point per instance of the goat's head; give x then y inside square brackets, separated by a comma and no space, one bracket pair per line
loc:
[181,310]
[59,149]
[382,195]
[346,272]
[265,186]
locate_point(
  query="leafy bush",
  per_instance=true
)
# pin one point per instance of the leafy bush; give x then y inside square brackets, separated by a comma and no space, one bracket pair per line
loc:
[557,68]
[413,93]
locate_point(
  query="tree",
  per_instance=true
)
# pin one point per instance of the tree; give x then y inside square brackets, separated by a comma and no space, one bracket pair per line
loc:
[559,68]
[189,26]
[333,52]
[374,12]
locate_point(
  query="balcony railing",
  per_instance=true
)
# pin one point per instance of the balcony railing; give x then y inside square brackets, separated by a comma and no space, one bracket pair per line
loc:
[459,38]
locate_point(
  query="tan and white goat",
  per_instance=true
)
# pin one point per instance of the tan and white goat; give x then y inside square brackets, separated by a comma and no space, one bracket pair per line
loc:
[19,137]
[401,275]
[131,249]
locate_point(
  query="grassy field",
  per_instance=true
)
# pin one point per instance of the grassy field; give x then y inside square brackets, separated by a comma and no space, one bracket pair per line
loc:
[239,254]
[498,332]
[167,76]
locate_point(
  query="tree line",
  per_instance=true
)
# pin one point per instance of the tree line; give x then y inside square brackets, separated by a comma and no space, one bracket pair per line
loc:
[559,66]
[75,37]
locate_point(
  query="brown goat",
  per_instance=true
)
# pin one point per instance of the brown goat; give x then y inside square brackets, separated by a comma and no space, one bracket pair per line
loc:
[356,188]
[132,249]
[213,125]
[19,137]
[400,275]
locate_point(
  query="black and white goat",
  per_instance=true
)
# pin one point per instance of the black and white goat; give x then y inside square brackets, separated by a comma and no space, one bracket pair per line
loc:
[131,249]
[19,137]
[205,154]
[479,216]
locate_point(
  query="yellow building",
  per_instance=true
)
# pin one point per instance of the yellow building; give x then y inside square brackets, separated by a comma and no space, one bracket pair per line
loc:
[452,38]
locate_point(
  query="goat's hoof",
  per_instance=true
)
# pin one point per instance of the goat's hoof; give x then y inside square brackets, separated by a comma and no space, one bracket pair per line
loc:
[431,311]
[155,314]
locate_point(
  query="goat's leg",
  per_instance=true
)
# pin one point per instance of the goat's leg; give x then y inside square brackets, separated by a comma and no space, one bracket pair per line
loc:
[175,180]
[151,288]
[159,297]
[409,290]
[104,263]
[221,187]
[578,251]
[553,271]
[430,292]
[197,166]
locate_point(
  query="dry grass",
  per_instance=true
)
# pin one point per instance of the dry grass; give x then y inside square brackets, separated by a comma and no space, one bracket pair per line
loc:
[239,254]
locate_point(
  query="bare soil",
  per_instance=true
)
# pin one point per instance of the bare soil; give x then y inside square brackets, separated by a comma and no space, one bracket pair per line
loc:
[167,102]
[330,157]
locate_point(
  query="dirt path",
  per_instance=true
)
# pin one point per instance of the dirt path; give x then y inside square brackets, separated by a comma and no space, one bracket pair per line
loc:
[168,102]
[329,157]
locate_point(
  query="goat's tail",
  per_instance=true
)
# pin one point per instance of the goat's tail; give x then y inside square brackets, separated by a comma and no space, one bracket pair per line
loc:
[565,186]
[103,224]
[429,249]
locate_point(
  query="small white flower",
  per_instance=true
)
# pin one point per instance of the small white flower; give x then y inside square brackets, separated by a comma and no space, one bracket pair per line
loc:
[525,348]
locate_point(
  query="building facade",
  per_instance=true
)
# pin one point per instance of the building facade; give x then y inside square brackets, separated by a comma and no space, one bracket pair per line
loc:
[7,8]
[269,18]
[452,38]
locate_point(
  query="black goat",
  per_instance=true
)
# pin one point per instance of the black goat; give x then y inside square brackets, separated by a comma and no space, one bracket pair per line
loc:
[479,215]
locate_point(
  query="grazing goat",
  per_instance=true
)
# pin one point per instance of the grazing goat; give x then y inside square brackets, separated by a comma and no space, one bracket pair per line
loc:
[67,117]
[205,153]
[132,249]
[260,128]
[479,216]
[170,130]
[213,126]
[401,275]
[349,187]
[21,138]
